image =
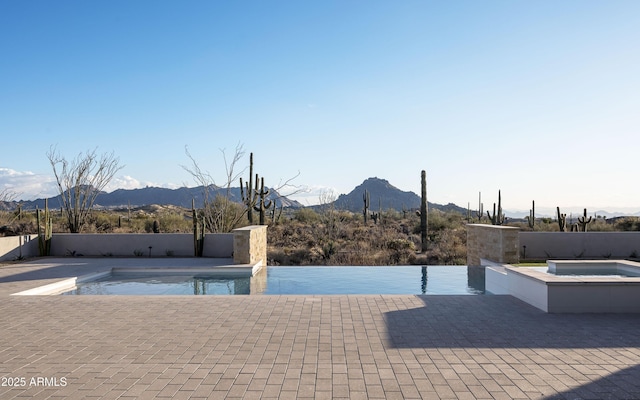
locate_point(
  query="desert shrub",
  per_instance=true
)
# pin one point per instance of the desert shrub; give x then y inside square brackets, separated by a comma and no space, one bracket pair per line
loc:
[299,256]
[359,234]
[341,238]
[6,218]
[223,215]
[101,222]
[174,222]
[627,224]
[400,244]
[541,225]
[277,257]
[439,221]
[306,215]
[329,248]
[449,249]
[137,224]
[25,227]
[333,223]
[12,225]
[600,225]
[391,216]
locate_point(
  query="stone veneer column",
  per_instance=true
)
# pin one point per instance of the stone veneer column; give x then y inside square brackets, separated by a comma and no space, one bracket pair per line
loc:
[250,245]
[492,242]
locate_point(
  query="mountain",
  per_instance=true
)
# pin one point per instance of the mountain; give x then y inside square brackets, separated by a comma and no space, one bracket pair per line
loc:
[384,195]
[180,197]
[381,194]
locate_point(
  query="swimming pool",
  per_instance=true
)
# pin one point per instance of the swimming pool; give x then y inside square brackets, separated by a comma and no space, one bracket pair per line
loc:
[430,280]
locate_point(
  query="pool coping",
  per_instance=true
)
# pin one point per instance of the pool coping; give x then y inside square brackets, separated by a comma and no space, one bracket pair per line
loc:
[62,286]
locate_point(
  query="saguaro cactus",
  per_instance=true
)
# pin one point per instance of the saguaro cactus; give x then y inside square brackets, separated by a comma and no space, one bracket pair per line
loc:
[44,232]
[531,219]
[263,204]
[497,218]
[584,221]
[424,211]
[275,217]
[198,231]
[480,211]
[249,194]
[374,217]
[366,200]
[562,221]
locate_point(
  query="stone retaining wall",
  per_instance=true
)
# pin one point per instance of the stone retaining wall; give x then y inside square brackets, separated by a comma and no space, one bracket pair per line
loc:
[492,242]
[503,244]
[250,245]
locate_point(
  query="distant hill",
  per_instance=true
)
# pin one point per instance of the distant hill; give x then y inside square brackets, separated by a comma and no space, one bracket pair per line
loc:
[180,197]
[384,195]
[381,193]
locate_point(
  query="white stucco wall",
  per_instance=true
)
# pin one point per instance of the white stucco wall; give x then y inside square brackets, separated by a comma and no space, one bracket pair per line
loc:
[584,245]
[12,247]
[128,244]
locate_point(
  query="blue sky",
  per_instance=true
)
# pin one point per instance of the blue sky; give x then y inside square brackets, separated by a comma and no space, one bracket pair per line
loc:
[539,99]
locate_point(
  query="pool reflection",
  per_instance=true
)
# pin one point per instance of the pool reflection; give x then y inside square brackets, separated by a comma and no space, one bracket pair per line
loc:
[209,285]
[307,280]
[475,278]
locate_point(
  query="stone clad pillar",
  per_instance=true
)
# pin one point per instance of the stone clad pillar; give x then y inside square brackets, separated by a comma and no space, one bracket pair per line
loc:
[250,245]
[492,242]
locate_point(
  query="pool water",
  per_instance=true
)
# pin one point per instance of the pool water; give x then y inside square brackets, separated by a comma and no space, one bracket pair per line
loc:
[144,284]
[430,280]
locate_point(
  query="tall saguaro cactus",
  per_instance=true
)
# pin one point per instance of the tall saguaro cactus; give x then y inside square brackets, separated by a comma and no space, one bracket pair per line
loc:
[263,204]
[198,231]
[424,212]
[531,219]
[562,220]
[44,233]
[366,200]
[497,218]
[275,214]
[480,211]
[254,196]
[584,221]
[249,194]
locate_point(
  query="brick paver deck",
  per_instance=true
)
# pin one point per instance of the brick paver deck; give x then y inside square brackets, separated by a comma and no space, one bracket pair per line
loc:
[457,347]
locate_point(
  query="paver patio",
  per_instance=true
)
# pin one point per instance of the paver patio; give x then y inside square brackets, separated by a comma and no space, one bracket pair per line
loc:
[458,347]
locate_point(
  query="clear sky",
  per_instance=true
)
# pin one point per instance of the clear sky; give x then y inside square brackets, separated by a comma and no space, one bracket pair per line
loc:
[540,99]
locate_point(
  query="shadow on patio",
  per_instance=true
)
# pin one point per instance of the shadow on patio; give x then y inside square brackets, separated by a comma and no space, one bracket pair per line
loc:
[619,385]
[505,322]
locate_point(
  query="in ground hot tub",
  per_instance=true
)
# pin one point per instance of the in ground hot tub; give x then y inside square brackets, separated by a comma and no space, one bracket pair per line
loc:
[571,286]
